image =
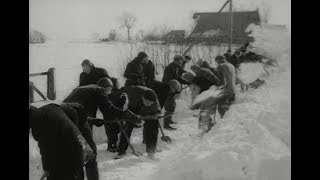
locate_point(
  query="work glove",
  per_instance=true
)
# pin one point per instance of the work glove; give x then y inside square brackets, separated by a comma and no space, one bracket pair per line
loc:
[95,121]
[134,118]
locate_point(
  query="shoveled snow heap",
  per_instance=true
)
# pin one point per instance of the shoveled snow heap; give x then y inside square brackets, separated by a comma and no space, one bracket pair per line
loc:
[252,142]
[249,72]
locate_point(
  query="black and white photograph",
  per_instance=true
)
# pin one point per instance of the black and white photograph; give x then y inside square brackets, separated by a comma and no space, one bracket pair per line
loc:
[159,90]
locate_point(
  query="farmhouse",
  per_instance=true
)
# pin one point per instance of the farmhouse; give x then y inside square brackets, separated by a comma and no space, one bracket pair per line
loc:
[213,27]
[174,36]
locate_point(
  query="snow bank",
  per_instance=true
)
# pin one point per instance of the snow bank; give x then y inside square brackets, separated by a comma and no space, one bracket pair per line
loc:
[249,72]
[253,140]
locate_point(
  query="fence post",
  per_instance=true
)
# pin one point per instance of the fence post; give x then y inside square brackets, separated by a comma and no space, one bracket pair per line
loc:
[51,90]
[31,96]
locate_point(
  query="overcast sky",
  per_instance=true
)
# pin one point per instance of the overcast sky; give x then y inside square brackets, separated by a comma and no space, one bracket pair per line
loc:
[65,19]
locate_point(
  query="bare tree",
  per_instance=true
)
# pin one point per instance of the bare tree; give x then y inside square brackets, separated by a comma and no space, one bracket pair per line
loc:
[127,20]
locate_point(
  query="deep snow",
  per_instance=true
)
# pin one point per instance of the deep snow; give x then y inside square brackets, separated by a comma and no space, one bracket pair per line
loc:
[253,141]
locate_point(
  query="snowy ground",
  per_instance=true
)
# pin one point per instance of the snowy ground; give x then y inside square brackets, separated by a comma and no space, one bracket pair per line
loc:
[253,141]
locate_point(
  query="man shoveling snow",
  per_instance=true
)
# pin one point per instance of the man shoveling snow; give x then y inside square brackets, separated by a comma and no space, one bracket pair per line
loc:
[216,98]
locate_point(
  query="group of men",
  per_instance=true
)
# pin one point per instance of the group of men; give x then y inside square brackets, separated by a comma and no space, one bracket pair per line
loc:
[64,132]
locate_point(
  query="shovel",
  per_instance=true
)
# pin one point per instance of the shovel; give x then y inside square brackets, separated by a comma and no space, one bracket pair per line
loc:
[164,138]
[136,153]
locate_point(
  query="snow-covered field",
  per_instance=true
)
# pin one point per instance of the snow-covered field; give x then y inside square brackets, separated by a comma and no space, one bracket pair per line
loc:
[252,142]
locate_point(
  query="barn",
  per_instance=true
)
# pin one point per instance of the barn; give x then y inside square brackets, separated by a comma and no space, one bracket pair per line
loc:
[213,27]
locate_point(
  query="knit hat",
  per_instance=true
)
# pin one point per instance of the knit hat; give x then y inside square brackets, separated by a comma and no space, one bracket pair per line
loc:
[195,67]
[87,62]
[219,57]
[174,84]
[150,95]
[199,62]
[104,82]
[188,76]
[178,57]
[142,55]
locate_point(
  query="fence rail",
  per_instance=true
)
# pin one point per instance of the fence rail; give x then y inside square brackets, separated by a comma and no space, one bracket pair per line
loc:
[51,90]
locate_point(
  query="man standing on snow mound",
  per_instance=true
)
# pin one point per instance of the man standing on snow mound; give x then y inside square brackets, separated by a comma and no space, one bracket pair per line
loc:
[91,97]
[143,101]
[134,70]
[226,75]
[60,141]
[203,80]
[91,74]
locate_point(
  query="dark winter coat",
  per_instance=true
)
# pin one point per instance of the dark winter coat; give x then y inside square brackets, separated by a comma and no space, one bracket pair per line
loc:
[206,65]
[58,138]
[91,97]
[117,100]
[234,61]
[162,90]
[252,57]
[93,77]
[203,83]
[134,73]
[149,72]
[207,74]
[135,94]
[173,71]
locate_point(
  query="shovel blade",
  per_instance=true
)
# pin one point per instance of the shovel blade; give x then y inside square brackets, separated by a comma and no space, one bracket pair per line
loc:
[166,139]
[137,153]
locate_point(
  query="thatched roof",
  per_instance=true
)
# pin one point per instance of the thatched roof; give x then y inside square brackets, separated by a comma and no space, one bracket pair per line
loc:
[216,24]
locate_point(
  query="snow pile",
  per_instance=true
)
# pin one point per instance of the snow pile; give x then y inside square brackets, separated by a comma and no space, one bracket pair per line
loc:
[253,140]
[249,72]
[273,43]
[208,97]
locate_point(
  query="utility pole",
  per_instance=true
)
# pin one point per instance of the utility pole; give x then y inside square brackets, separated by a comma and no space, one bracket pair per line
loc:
[230,23]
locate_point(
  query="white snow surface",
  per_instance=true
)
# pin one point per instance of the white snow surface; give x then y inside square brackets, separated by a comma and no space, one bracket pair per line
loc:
[249,72]
[252,142]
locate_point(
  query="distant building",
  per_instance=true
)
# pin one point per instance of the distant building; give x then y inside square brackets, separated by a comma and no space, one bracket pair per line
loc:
[213,27]
[275,26]
[174,36]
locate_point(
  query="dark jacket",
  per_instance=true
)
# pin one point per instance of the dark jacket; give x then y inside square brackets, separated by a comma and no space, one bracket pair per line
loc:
[207,74]
[234,61]
[173,71]
[91,97]
[203,83]
[134,72]
[149,72]
[206,65]
[58,139]
[93,77]
[162,90]
[117,100]
[135,94]
[252,57]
